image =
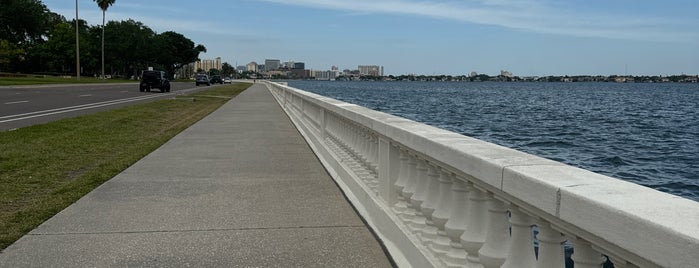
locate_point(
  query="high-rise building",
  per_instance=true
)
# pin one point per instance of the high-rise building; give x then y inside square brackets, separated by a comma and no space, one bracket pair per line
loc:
[208,64]
[299,65]
[271,65]
[374,70]
[251,67]
[288,65]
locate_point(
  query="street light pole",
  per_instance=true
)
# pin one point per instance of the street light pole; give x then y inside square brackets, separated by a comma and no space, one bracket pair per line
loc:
[77,42]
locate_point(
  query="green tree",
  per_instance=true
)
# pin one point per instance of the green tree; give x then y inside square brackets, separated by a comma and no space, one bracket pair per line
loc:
[228,70]
[129,43]
[174,50]
[9,52]
[104,5]
[23,25]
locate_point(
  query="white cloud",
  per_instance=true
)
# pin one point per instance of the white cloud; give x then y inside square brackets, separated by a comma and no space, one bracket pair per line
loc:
[538,16]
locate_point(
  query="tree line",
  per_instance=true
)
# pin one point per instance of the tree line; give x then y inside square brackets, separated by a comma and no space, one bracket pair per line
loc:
[35,40]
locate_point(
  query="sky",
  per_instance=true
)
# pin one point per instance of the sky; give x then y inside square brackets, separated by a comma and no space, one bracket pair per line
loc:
[452,37]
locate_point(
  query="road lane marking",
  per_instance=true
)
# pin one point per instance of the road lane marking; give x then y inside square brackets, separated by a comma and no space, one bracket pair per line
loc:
[17,102]
[86,95]
[71,109]
[16,117]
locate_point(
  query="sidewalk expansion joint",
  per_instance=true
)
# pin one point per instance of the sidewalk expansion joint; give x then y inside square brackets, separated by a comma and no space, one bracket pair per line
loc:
[201,230]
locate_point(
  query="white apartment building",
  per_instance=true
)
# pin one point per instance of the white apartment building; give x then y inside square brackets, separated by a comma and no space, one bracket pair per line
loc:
[374,70]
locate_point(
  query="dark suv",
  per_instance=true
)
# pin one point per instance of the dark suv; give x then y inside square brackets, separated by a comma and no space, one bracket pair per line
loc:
[216,79]
[202,79]
[154,79]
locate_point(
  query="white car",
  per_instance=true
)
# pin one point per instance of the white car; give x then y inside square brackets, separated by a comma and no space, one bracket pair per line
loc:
[227,80]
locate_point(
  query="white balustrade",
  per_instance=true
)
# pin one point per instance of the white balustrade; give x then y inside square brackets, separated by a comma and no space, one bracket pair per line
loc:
[419,220]
[441,245]
[456,224]
[474,237]
[521,249]
[441,199]
[495,247]
[401,206]
[584,256]
[429,232]
[551,252]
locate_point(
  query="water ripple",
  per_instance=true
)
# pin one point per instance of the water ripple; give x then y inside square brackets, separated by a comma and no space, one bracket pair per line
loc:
[644,133]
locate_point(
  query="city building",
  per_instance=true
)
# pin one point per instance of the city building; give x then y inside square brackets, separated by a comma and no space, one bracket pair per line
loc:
[299,65]
[288,65]
[241,68]
[208,64]
[271,65]
[251,67]
[324,75]
[507,74]
[374,70]
[299,74]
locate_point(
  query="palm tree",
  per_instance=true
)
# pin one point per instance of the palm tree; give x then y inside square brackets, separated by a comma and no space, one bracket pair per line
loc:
[104,5]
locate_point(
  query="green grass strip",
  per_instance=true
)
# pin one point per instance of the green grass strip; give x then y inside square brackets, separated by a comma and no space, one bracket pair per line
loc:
[45,168]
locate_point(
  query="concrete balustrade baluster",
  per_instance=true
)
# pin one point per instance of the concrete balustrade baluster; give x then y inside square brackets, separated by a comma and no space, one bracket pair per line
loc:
[400,206]
[441,214]
[521,250]
[422,180]
[621,263]
[495,248]
[409,188]
[372,158]
[365,148]
[473,237]
[456,224]
[429,232]
[551,253]
[584,256]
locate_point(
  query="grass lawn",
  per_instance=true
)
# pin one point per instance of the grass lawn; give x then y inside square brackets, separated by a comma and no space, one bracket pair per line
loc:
[45,168]
[16,81]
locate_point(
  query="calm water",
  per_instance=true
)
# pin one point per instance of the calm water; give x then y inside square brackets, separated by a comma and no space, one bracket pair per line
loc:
[644,133]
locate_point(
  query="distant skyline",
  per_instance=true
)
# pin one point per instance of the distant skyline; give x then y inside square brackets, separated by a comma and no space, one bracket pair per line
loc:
[526,37]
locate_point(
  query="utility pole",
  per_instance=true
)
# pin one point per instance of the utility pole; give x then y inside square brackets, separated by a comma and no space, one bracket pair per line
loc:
[77,42]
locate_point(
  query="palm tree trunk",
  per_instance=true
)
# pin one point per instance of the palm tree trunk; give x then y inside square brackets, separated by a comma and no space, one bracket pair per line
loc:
[103,11]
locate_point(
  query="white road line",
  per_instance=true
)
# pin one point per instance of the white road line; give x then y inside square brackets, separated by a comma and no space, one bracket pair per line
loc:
[74,108]
[9,118]
[86,95]
[17,102]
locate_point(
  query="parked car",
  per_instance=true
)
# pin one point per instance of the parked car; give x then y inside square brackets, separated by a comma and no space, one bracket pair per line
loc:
[216,79]
[202,79]
[228,80]
[154,79]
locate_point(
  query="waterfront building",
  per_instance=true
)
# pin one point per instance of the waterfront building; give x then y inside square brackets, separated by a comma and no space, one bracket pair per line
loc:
[271,64]
[299,73]
[208,64]
[251,67]
[507,74]
[374,70]
[324,75]
[299,65]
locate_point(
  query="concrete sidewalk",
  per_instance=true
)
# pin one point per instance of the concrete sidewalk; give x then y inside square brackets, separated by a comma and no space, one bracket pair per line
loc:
[239,188]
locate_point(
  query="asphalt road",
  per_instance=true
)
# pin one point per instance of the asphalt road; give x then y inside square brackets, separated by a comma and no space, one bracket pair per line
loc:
[22,106]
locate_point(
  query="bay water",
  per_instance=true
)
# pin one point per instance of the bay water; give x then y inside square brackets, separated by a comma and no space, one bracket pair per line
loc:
[644,133]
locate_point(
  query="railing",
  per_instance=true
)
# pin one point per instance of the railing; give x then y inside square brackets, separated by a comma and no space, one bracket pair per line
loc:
[441,199]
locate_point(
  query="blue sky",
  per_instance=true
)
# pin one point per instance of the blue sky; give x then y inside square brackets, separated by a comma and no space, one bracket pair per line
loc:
[526,37]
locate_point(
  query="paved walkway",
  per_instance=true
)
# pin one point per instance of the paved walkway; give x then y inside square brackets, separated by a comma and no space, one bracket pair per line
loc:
[239,188]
